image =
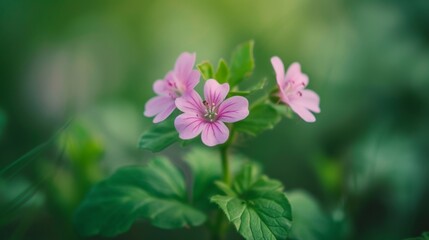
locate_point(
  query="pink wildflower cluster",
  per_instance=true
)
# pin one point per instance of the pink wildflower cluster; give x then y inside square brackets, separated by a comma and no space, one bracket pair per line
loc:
[206,117]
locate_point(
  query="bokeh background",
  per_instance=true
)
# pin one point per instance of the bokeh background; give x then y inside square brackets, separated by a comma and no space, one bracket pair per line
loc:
[92,63]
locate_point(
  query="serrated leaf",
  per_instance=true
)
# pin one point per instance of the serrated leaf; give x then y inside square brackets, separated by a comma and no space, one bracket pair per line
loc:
[222,72]
[206,70]
[155,192]
[262,117]
[309,221]
[259,210]
[242,63]
[159,136]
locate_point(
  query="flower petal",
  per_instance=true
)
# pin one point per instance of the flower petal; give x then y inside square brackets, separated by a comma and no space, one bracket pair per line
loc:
[214,133]
[293,72]
[215,93]
[160,87]
[156,105]
[190,103]
[192,80]
[165,113]
[188,125]
[184,64]
[233,109]
[280,71]
[303,112]
[309,100]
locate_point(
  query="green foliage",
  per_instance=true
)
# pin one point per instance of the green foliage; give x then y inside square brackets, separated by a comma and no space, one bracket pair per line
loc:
[206,70]
[425,236]
[206,168]
[222,73]
[259,86]
[155,192]
[309,221]
[242,63]
[262,117]
[256,206]
[159,136]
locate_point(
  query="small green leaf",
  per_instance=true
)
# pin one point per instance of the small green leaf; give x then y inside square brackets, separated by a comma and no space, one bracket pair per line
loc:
[222,72]
[259,86]
[259,209]
[242,63]
[262,117]
[206,70]
[309,221]
[155,192]
[159,136]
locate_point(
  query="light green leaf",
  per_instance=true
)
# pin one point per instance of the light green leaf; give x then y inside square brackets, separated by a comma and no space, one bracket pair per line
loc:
[242,63]
[159,136]
[155,192]
[206,70]
[259,209]
[262,117]
[309,221]
[222,72]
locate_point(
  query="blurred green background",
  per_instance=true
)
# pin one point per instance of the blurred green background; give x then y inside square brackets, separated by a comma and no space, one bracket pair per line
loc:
[92,64]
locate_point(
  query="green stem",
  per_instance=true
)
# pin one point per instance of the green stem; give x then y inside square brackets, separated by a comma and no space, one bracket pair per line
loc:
[221,223]
[226,170]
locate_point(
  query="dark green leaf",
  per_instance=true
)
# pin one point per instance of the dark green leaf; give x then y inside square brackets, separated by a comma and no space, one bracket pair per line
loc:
[206,169]
[160,136]
[242,63]
[155,192]
[259,209]
[206,70]
[222,72]
[309,221]
[262,117]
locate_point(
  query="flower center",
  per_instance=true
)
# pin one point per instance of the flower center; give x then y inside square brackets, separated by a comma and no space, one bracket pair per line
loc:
[211,111]
[291,89]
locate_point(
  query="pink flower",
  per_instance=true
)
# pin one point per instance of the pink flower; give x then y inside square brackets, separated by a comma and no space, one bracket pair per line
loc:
[176,83]
[207,117]
[292,90]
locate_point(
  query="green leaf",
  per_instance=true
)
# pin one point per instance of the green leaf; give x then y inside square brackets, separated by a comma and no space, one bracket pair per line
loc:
[242,63]
[222,72]
[206,70]
[155,192]
[259,209]
[206,168]
[309,221]
[259,86]
[159,136]
[262,117]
